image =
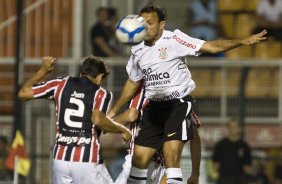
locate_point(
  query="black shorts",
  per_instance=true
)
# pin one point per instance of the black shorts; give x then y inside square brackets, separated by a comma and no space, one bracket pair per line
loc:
[165,121]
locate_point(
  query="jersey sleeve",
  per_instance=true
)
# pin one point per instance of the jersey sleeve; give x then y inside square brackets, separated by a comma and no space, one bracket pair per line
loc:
[47,89]
[133,70]
[102,100]
[185,45]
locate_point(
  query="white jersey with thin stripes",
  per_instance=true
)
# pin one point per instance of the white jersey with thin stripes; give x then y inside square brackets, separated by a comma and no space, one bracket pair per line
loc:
[77,138]
[163,65]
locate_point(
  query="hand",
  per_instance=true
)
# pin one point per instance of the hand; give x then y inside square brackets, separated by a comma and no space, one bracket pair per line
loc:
[48,64]
[255,38]
[193,180]
[126,135]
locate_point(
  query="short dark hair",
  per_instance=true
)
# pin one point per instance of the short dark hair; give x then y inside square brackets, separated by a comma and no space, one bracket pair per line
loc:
[101,9]
[154,8]
[112,12]
[93,66]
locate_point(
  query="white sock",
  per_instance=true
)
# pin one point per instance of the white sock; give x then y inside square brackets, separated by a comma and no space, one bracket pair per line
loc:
[174,176]
[137,176]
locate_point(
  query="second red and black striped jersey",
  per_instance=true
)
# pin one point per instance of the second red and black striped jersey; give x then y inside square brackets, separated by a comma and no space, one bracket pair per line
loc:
[77,138]
[138,102]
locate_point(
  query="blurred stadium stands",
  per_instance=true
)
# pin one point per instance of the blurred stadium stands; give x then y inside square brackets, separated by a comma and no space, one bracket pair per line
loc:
[49,30]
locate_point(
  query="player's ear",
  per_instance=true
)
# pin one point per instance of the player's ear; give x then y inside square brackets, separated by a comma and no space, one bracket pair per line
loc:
[99,78]
[162,24]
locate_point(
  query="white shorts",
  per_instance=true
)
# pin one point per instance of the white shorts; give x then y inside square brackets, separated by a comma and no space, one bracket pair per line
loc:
[65,172]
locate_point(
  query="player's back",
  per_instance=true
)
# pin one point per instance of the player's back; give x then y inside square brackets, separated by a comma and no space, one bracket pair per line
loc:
[77,102]
[78,98]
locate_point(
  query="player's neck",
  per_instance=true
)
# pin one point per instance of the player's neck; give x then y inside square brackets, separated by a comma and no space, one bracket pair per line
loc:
[151,43]
[234,138]
[93,80]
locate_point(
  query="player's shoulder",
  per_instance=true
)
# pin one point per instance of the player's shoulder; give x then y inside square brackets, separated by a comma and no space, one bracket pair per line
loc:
[178,32]
[52,82]
[175,35]
[106,91]
[167,35]
[71,79]
[59,79]
[137,48]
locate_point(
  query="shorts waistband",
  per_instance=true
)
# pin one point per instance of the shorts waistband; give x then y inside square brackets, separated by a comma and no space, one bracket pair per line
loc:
[186,98]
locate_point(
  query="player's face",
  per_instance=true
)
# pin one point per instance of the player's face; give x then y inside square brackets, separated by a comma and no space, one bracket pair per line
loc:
[153,26]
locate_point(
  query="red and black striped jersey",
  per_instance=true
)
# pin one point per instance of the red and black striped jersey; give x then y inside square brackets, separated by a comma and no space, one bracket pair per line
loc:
[77,138]
[138,102]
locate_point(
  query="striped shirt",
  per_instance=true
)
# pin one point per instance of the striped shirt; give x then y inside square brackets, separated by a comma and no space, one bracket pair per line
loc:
[77,138]
[138,102]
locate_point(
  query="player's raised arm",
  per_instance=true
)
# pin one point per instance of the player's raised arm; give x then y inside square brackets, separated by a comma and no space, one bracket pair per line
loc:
[47,66]
[224,45]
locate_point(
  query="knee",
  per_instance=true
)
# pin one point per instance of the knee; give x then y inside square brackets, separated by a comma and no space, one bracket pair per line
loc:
[140,161]
[172,160]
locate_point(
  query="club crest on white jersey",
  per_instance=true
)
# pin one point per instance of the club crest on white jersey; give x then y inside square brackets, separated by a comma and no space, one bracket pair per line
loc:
[163,53]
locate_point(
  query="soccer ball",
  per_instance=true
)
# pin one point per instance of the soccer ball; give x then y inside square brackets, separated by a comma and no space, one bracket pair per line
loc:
[131,30]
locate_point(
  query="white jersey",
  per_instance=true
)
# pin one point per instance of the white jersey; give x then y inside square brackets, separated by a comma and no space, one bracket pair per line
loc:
[163,65]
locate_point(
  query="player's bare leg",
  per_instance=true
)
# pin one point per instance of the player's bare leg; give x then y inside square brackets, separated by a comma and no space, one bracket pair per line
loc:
[141,159]
[172,154]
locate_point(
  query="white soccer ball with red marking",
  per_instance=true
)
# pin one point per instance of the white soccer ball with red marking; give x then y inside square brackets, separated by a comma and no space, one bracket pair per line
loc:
[131,30]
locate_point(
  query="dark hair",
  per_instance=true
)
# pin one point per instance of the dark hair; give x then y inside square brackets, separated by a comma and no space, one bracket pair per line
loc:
[101,9]
[154,8]
[93,66]
[112,12]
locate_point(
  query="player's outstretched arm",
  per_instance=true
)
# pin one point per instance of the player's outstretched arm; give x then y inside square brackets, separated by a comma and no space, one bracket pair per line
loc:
[47,66]
[127,93]
[195,149]
[224,45]
[106,124]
